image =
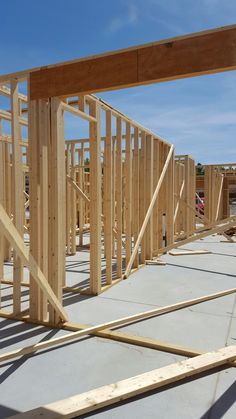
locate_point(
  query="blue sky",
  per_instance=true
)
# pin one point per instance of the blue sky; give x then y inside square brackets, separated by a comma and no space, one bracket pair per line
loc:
[198,115]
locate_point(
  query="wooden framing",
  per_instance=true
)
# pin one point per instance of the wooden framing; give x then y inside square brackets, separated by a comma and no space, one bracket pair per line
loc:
[186,56]
[122,190]
[119,195]
[222,226]
[185,190]
[17,186]
[108,202]
[96,201]
[149,212]
[125,188]
[134,197]
[11,233]
[214,185]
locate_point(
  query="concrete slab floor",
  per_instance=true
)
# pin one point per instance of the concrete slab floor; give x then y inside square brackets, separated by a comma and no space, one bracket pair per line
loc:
[51,375]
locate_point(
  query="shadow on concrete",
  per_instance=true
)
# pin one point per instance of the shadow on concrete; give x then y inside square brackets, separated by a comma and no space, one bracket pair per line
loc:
[6,412]
[70,298]
[201,270]
[84,283]
[18,335]
[222,405]
[223,254]
[9,296]
[6,322]
[226,400]
[216,411]
[15,364]
[74,264]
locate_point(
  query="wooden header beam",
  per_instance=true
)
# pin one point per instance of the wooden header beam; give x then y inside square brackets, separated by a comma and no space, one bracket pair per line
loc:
[187,56]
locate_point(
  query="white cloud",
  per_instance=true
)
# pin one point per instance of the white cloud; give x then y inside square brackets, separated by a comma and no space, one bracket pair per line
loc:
[121,21]
[197,116]
[167,24]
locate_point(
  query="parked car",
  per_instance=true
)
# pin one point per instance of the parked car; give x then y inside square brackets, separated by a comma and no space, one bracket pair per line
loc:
[200,205]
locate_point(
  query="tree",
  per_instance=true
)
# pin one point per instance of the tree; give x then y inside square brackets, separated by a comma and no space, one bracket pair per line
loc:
[200,169]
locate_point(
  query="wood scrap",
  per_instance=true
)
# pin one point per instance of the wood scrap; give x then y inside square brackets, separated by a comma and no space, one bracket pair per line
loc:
[189,252]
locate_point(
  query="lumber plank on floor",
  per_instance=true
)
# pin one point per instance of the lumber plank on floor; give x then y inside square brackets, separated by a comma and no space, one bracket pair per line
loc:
[109,394]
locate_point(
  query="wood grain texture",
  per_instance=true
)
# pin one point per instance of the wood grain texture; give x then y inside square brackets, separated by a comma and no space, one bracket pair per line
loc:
[187,56]
[8,229]
[120,69]
[92,400]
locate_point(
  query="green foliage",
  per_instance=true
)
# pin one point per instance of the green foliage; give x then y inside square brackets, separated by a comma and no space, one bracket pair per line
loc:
[86,163]
[200,169]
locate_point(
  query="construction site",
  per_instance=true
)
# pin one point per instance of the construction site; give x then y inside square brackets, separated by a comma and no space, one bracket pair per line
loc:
[117,255]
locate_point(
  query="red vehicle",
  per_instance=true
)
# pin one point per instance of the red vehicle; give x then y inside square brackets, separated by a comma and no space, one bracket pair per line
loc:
[200,205]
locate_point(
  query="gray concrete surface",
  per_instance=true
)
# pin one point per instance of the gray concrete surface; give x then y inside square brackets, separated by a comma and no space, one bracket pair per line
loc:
[74,368]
